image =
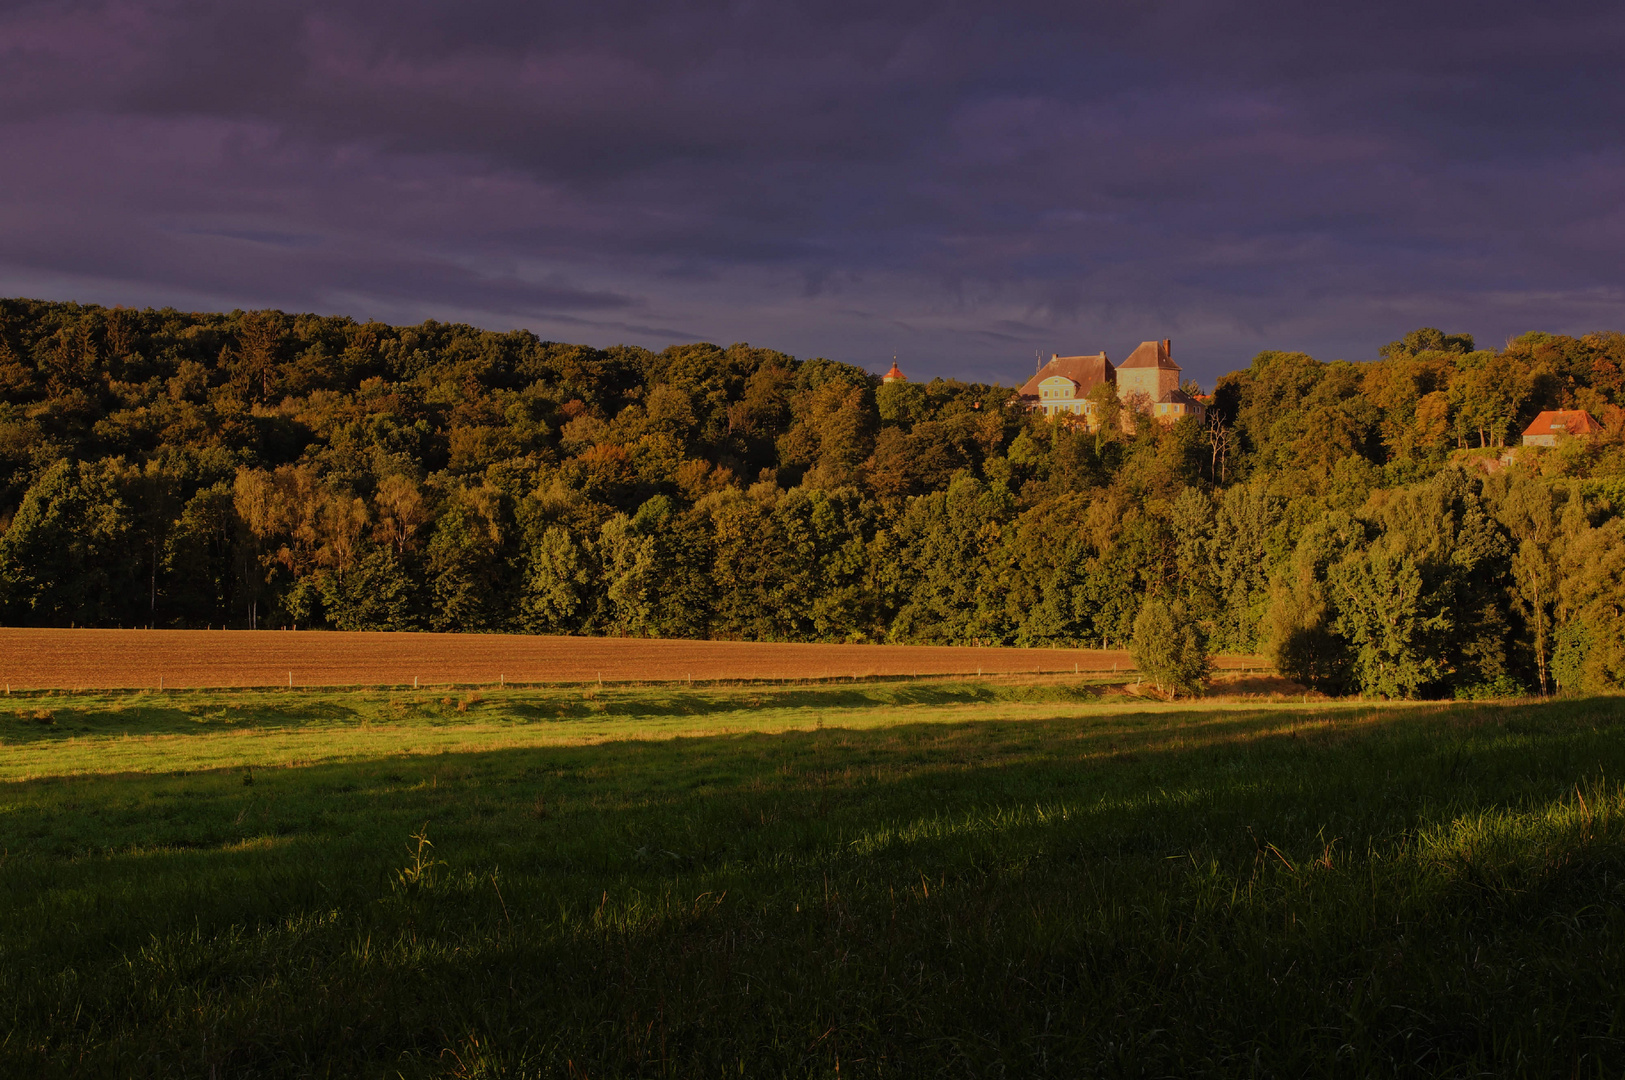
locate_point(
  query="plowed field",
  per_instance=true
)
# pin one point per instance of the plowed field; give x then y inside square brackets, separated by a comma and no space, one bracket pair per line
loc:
[129,659]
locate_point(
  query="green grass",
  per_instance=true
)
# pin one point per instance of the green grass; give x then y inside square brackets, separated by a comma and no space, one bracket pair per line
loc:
[914,879]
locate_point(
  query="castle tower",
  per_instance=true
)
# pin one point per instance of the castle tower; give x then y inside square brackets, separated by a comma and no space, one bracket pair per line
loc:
[1149,370]
[895,374]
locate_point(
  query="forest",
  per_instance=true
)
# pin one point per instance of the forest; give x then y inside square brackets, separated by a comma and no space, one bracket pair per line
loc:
[1364,523]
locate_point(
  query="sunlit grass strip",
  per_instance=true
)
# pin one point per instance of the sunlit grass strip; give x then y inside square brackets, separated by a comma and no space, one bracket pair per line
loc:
[198,731]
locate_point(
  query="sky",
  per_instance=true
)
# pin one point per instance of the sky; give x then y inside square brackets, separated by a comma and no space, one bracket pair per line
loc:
[963,186]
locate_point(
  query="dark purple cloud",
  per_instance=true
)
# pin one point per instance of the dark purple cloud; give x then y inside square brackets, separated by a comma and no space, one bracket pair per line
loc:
[959,184]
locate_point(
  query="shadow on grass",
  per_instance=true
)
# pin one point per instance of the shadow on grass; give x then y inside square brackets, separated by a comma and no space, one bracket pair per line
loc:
[1149,892]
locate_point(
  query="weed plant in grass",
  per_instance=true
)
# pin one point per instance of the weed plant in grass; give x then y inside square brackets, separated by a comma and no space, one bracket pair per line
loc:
[970,880]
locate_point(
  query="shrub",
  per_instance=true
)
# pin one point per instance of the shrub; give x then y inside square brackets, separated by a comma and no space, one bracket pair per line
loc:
[1169,649]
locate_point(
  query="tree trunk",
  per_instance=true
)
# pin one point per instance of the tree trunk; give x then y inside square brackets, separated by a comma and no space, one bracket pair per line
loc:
[1540,637]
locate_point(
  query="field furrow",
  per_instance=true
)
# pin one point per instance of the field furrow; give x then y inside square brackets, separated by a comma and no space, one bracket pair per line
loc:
[132,659]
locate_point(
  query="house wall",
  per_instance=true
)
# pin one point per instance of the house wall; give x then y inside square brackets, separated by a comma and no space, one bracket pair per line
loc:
[1173,410]
[1058,394]
[1153,382]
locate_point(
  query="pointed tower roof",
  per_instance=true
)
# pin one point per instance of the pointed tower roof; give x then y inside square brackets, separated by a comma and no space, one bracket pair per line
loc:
[894,375]
[1152,354]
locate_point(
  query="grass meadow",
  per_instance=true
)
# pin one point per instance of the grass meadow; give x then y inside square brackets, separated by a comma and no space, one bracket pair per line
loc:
[935,878]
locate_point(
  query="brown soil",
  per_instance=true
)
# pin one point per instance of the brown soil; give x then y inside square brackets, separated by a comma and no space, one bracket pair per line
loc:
[130,659]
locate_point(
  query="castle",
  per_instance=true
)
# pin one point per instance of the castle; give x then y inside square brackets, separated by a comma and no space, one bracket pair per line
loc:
[1148,380]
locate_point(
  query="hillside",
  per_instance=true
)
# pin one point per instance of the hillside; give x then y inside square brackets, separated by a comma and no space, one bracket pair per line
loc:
[263,469]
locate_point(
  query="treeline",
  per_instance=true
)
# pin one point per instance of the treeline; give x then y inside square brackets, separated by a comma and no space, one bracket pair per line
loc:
[256,469]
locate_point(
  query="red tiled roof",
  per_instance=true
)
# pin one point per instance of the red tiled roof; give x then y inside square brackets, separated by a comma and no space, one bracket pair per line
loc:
[1157,354]
[1563,421]
[895,373]
[1087,371]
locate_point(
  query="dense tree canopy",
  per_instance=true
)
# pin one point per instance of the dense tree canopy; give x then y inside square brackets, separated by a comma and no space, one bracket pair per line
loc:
[264,469]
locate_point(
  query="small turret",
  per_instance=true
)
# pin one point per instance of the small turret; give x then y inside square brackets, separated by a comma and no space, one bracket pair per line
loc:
[895,374]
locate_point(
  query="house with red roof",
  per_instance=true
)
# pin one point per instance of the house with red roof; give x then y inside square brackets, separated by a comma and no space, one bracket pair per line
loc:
[1148,379]
[1549,425]
[1151,376]
[1060,386]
